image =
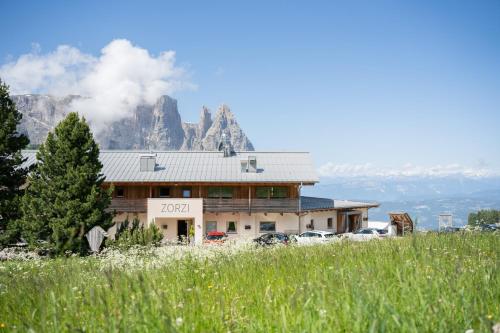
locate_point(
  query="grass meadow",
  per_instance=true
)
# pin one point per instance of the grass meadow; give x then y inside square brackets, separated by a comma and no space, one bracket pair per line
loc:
[425,283]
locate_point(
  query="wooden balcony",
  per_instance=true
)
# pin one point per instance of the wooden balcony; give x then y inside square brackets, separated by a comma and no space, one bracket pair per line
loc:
[251,206]
[216,205]
[129,205]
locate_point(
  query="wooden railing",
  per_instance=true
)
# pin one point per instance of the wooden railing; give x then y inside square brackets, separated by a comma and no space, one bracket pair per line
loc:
[251,206]
[129,205]
[217,205]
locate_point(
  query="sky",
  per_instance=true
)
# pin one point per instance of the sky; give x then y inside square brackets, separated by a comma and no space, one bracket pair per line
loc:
[362,85]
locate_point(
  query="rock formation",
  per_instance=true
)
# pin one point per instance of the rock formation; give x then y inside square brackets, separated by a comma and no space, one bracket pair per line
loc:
[155,127]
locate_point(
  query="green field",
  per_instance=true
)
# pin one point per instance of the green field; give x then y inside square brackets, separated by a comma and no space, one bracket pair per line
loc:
[428,283]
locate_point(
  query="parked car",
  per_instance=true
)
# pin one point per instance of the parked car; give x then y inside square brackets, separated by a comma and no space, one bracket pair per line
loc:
[363,234]
[272,239]
[489,227]
[315,236]
[450,229]
[215,237]
[383,232]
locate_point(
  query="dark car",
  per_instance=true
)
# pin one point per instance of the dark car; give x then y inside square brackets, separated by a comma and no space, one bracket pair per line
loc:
[488,227]
[272,238]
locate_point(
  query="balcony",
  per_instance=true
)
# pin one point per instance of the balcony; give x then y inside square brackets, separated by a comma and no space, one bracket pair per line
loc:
[122,205]
[253,206]
[129,205]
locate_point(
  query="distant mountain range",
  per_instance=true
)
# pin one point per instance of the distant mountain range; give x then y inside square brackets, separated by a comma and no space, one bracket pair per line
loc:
[424,198]
[155,127]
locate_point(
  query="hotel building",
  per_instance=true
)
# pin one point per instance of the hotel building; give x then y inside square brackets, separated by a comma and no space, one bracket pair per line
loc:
[243,194]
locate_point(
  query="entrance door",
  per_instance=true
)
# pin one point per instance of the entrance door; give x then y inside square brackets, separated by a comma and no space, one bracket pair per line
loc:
[182,229]
[354,222]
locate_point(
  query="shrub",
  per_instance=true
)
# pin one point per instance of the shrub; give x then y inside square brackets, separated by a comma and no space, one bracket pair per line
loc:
[136,234]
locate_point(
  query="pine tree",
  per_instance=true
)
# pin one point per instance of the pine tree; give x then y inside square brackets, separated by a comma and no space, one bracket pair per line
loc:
[65,198]
[12,176]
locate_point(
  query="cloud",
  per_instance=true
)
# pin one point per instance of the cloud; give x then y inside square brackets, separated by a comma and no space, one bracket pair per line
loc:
[122,77]
[332,170]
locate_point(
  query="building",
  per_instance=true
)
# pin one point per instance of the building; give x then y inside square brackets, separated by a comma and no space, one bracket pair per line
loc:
[243,194]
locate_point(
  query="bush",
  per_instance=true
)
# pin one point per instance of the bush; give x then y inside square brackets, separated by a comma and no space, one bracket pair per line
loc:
[136,234]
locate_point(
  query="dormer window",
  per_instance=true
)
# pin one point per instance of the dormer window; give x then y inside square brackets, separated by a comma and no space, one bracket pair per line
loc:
[147,162]
[249,165]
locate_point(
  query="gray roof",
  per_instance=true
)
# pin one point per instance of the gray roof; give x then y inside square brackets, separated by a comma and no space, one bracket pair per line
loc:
[312,203]
[202,166]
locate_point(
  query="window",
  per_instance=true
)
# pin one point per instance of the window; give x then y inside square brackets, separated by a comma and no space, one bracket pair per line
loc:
[220,192]
[267,226]
[120,192]
[268,192]
[164,192]
[186,192]
[231,227]
[211,226]
[329,223]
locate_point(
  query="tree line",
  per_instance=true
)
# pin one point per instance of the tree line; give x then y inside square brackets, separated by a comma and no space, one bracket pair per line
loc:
[60,198]
[485,216]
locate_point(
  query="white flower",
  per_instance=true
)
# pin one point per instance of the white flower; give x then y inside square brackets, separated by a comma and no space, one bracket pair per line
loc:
[178,321]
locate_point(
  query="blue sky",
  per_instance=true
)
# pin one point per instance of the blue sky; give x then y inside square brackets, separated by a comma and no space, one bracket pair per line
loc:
[377,83]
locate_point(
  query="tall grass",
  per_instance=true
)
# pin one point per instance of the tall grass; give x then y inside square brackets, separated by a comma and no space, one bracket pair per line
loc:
[431,283]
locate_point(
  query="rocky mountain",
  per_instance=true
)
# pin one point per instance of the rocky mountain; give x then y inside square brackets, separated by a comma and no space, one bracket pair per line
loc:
[156,127]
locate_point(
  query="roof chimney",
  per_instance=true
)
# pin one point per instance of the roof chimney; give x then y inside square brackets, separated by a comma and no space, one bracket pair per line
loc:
[225,146]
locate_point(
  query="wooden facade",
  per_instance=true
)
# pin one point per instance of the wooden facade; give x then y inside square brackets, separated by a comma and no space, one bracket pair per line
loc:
[132,197]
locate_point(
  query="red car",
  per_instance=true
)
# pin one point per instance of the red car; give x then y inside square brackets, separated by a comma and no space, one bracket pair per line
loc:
[215,237]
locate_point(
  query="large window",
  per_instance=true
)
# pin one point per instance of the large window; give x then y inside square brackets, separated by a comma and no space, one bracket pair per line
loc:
[271,192]
[231,227]
[220,192]
[164,192]
[267,226]
[211,226]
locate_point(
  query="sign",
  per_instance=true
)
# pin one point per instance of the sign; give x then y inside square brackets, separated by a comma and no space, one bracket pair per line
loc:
[175,208]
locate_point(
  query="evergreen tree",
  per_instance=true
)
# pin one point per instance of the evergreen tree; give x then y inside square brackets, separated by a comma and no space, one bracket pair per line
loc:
[12,176]
[65,198]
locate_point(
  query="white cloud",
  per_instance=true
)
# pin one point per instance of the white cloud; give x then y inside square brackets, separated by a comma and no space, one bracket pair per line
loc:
[114,83]
[331,169]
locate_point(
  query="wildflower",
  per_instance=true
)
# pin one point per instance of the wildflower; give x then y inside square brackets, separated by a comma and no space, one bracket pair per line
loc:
[178,321]
[322,313]
[210,286]
[2,325]
[489,316]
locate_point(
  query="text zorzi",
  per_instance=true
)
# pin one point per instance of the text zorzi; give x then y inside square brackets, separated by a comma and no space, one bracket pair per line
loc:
[175,208]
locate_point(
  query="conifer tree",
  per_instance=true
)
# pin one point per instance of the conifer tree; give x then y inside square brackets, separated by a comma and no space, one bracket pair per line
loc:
[12,176]
[65,198]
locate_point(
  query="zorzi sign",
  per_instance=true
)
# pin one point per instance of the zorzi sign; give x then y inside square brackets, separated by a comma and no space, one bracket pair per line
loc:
[175,208]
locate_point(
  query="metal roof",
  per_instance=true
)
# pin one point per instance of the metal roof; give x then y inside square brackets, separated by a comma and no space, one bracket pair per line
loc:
[203,166]
[312,203]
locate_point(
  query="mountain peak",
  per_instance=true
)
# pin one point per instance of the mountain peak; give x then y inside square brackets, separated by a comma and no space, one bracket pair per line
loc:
[158,126]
